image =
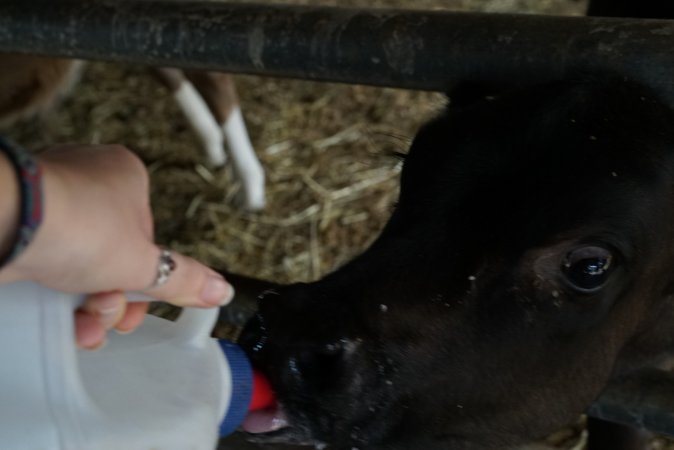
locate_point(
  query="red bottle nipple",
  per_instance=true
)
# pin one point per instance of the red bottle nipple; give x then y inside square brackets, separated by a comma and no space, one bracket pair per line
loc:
[263,396]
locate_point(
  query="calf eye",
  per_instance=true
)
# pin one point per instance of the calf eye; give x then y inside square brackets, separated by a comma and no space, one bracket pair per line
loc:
[587,269]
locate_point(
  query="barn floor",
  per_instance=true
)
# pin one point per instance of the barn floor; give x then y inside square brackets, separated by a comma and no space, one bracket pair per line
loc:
[327,148]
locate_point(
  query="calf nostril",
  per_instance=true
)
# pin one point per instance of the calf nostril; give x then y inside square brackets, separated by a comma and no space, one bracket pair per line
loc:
[317,366]
[334,349]
[322,356]
[329,357]
[254,336]
[294,367]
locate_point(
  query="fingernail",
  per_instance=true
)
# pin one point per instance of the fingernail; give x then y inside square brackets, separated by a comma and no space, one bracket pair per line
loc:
[217,291]
[124,332]
[95,347]
[108,311]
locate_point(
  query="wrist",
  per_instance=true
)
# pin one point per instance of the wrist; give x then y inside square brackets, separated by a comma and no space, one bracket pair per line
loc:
[10,205]
[49,239]
[21,208]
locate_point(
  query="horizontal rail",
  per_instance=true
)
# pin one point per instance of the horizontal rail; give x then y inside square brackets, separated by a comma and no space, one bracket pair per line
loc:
[427,50]
[643,400]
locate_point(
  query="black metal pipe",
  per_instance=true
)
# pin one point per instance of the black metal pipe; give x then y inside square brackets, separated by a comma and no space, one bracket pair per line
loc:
[643,400]
[409,49]
[245,303]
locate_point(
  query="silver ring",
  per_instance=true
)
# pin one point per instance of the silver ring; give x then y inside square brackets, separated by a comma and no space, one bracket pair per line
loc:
[165,267]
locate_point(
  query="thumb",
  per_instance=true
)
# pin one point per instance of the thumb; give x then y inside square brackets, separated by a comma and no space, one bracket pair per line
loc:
[191,283]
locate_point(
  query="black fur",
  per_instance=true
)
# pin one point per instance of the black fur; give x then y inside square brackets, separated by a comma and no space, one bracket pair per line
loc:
[458,329]
[481,342]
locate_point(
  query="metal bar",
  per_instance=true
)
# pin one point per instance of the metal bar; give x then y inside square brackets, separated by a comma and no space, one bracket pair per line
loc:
[245,304]
[643,400]
[408,49]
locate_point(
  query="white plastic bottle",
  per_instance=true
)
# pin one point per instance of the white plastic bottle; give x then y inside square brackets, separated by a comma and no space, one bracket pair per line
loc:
[166,386]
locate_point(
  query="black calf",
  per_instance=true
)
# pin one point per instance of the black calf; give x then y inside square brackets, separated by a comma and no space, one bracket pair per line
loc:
[526,266]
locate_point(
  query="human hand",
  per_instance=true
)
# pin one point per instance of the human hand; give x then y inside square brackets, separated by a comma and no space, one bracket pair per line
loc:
[97,238]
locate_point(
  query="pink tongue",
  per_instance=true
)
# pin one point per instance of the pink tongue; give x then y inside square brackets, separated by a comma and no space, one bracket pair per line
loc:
[265,421]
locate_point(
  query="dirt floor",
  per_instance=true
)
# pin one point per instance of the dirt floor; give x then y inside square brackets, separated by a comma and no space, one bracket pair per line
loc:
[327,149]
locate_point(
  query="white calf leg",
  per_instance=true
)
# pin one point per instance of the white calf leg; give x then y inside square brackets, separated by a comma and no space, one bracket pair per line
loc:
[201,120]
[246,164]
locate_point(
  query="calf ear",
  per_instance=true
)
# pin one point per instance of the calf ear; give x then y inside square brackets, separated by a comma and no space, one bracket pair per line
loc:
[467,93]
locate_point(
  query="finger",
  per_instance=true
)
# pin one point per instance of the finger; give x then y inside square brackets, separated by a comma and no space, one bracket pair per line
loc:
[89,333]
[134,316]
[193,284]
[107,307]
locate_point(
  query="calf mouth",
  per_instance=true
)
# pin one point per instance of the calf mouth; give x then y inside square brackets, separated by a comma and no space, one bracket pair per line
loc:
[285,423]
[272,426]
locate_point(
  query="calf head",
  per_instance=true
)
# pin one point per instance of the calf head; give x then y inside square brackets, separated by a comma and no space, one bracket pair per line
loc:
[526,264]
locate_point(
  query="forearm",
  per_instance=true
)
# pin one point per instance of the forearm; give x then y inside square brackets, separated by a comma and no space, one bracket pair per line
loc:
[9,205]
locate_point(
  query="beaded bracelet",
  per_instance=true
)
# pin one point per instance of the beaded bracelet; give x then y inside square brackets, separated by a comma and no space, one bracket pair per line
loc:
[29,174]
